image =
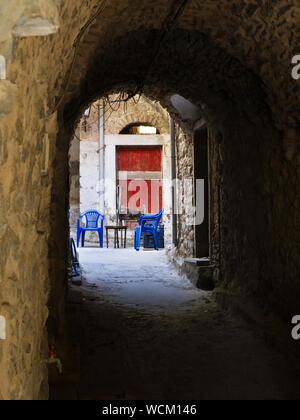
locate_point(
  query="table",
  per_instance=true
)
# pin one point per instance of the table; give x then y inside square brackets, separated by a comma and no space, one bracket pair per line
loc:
[116,230]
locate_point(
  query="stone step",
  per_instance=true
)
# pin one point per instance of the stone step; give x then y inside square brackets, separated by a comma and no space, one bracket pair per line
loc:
[200,272]
[202,262]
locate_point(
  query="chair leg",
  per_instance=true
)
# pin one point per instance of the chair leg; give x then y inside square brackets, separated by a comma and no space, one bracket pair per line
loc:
[82,239]
[115,239]
[155,237]
[118,242]
[138,233]
[100,234]
[78,238]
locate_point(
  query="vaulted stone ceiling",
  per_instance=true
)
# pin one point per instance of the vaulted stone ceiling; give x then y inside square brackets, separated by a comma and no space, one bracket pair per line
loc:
[260,37]
[256,36]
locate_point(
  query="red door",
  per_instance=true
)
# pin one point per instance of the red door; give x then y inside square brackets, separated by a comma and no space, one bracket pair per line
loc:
[139,177]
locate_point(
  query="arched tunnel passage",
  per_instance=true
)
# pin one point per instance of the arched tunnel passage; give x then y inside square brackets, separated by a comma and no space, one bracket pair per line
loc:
[189,65]
[231,101]
[135,294]
[233,63]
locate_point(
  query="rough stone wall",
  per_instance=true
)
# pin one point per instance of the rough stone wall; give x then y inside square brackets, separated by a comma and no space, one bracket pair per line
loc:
[74,158]
[224,71]
[26,262]
[233,61]
[249,213]
[140,110]
[119,116]
[282,200]
[185,171]
[215,181]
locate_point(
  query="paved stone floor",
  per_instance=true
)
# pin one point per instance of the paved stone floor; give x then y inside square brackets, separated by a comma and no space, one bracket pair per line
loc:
[146,333]
[139,279]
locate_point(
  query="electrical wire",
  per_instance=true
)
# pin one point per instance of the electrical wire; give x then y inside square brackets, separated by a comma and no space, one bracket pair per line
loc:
[167,26]
[77,45]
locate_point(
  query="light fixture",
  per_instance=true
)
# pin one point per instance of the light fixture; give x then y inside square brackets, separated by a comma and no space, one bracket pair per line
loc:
[87,113]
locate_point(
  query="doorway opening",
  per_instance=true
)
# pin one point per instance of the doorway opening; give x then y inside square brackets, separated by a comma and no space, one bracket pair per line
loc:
[121,168]
[140,128]
[139,182]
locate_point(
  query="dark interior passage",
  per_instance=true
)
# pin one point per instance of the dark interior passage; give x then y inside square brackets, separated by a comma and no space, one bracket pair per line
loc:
[143,332]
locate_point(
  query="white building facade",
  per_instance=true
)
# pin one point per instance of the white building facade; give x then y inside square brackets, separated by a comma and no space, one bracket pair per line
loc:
[121,172]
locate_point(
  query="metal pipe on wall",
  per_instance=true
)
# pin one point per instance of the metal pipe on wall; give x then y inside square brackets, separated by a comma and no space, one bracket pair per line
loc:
[101,157]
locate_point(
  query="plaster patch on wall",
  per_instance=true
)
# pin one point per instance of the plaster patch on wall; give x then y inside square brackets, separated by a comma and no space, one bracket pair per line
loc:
[34,27]
[2,328]
[2,68]
[45,155]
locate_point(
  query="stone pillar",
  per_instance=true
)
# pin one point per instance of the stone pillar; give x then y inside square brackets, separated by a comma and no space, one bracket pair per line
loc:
[201,173]
[74,156]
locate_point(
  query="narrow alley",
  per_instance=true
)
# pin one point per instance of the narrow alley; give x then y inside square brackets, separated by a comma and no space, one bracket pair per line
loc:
[144,332]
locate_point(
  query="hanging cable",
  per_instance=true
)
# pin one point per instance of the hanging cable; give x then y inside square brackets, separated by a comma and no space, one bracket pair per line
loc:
[76,45]
[167,26]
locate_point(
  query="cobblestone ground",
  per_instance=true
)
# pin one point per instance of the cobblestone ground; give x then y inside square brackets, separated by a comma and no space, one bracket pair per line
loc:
[145,333]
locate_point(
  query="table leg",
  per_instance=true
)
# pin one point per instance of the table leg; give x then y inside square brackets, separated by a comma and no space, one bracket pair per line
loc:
[125,238]
[107,238]
[117,230]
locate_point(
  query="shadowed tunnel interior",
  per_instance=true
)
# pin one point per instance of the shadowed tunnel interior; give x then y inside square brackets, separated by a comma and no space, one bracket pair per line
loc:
[232,62]
[244,138]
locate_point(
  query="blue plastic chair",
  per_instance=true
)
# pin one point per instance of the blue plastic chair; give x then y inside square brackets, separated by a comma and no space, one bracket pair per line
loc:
[149,224]
[92,225]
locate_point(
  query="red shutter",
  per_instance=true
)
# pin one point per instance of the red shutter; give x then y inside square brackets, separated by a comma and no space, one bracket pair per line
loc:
[146,162]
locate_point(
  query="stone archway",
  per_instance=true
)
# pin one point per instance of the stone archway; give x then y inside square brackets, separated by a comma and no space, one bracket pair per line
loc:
[243,139]
[233,62]
[144,111]
[220,88]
